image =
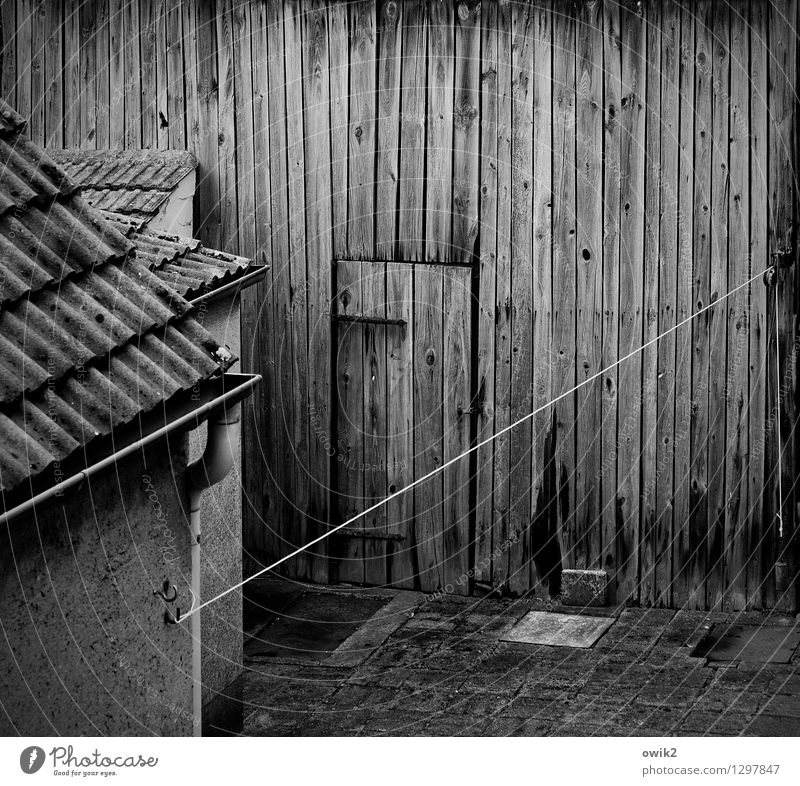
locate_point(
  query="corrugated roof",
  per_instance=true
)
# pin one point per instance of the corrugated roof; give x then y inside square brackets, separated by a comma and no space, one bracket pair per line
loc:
[133,182]
[90,337]
[182,263]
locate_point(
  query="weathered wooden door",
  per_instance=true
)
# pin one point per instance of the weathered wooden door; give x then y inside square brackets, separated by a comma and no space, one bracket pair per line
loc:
[403,407]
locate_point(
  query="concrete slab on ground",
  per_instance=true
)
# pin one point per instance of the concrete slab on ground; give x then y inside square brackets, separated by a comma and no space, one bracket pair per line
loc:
[559,630]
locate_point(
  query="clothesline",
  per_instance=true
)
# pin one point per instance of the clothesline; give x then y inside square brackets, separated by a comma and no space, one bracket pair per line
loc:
[500,433]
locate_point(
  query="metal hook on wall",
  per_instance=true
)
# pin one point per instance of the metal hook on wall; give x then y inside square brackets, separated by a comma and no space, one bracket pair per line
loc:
[164,592]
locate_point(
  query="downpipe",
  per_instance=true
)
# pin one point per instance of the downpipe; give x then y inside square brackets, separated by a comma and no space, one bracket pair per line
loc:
[222,445]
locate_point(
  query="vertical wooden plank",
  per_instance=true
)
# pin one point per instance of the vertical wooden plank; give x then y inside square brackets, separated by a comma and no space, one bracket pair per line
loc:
[439,151]
[521,299]
[612,67]
[228,150]
[428,316]
[376,415]
[320,253]
[162,75]
[589,274]
[782,229]
[361,245]
[466,105]
[736,308]
[373,277]
[400,402]
[651,328]
[23,35]
[486,289]
[8,17]
[133,97]
[261,503]
[456,540]
[413,81]
[389,20]
[72,74]
[53,76]
[192,88]
[207,212]
[102,85]
[699,511]
[244,97]
[757,327]
[36,125]
[295,135]
[564,247]
[428,396]
[281,290]
[668,126]
[248,44]
[88,74]
[397,515]
[363,100]
[502,336]
[631,300]
[350,418]
[456,296]
[361,196]
[400,280]
[147,73]
[717,319]
[544,537]
[685,306]
[176,96]
[116,74]
[338,45]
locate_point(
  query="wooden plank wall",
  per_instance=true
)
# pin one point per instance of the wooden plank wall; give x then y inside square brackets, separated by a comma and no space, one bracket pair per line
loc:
[606,168]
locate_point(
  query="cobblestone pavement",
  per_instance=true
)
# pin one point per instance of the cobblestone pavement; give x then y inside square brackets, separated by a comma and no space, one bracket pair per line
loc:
[431,667]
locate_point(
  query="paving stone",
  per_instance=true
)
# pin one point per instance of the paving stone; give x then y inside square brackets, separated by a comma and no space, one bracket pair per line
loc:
[426,623]
[335,724]
[403,723]
[456,661]
[545,687]
[506,726]
[782,705]
[279,693]
[338,723]
[665,695]
[359,697]
[445,725]
[701,722]
[427,640]
[274,723]
[783,684]
[531,727]
[718,698]
[480,704]
[492,682]
[423,700]
[773,726]
[551,710]
[576,729]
